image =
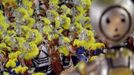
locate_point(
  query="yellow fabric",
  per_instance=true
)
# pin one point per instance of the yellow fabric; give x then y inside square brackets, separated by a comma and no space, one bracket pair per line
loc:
[39,73]
[20,69]
[64,50]
[11,63]
[33,52]
[67,21]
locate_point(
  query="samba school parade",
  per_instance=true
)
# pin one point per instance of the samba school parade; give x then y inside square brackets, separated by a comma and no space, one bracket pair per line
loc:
[66,37]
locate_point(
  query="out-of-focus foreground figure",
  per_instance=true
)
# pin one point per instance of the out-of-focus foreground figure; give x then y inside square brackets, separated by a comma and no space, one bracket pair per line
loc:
[113,22]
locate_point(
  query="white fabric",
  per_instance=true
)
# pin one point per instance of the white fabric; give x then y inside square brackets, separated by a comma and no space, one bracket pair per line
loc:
[43,58]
